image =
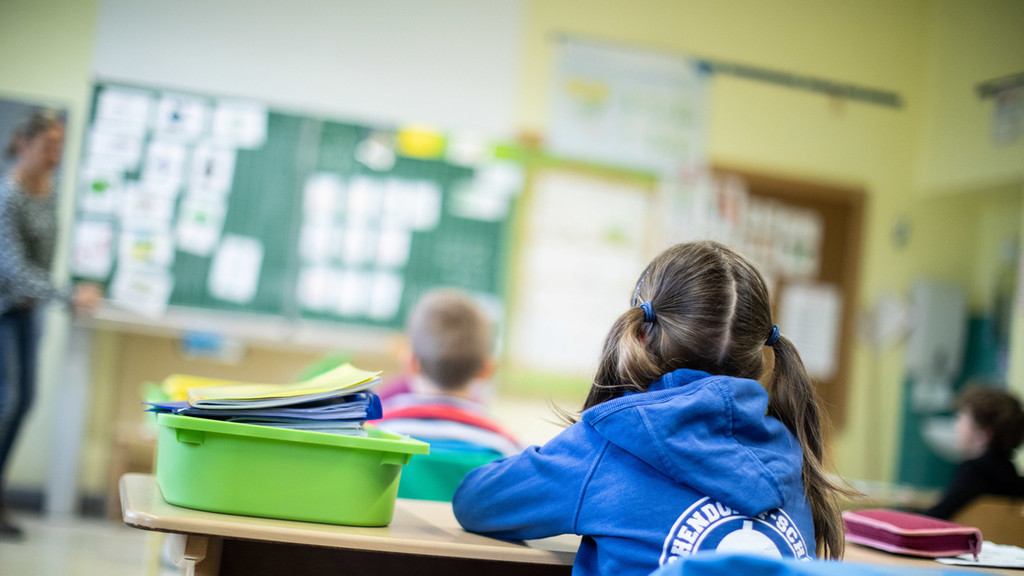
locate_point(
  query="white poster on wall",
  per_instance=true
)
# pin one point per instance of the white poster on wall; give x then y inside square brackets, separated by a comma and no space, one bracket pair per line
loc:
[124,105]
[810,316]
[143,291]
[577,274]
[239,124]
[235,271]
[165,164]
[627,107]
[199,224]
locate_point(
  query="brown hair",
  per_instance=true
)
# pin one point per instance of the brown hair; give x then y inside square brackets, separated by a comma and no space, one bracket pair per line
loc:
[999,413]
[714,314]
[451,338]
[35,123]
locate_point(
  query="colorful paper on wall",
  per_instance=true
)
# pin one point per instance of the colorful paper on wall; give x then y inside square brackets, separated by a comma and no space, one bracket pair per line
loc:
[181,118]
[92,252]
[100,191]
[165,164]
[146,249]
[213,168]
[199,224]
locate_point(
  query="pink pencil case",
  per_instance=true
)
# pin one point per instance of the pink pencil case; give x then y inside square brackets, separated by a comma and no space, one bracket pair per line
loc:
[911,534]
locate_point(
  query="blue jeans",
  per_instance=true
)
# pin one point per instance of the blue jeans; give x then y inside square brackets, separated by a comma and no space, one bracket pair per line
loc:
[19,347]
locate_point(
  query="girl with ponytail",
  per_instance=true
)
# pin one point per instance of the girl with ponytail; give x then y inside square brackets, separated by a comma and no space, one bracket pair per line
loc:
[688,441]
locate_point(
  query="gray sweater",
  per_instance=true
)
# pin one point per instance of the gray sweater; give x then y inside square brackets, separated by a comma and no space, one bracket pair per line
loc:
[28,235]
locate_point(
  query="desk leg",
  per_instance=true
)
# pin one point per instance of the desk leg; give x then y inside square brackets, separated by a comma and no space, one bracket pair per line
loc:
[197,555]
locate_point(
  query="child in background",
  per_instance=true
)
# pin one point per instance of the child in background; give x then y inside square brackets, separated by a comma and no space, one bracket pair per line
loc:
[989,428]
[678,448]
[450,366]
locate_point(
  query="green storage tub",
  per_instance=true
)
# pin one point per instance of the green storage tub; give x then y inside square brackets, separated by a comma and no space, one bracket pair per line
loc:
[280,473]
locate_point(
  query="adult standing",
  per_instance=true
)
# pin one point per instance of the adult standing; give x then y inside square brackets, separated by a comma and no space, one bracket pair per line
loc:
[28,233]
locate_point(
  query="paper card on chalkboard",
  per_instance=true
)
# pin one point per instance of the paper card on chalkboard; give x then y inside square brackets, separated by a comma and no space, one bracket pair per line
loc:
[235,271]
[317,241]
[365,199]
[165,164]
[146,249]
[125,150]
[240,124]
[199,224]
[358,245]
[213,168]
[120,127]
[393,248]
[353,294]
[318,288]
[122,105]
[428,205]
[323,195]
[145,292]
[399,203]
[145,207]
[385,295]
[92,252]
[99,191]
[181,118]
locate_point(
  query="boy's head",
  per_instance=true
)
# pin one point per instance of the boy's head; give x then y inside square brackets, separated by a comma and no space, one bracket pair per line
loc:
[989,419]
[450,338]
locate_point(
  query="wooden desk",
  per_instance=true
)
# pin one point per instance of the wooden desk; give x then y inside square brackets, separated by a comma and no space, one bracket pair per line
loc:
[865,555]
[423,538]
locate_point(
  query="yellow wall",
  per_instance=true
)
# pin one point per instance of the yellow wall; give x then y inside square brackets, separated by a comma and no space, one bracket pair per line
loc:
[969,43]
[905,47]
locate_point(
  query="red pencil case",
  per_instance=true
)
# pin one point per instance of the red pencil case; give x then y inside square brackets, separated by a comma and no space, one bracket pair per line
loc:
[911,534]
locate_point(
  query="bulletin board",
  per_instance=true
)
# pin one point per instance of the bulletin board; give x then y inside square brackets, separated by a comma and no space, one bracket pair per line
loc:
[189,200]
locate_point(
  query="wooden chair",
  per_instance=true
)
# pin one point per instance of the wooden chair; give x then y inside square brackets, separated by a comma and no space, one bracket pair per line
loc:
[1000,518]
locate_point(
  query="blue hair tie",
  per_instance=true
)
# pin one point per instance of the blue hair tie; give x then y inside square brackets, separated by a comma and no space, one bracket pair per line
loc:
[648,312]
[773,338]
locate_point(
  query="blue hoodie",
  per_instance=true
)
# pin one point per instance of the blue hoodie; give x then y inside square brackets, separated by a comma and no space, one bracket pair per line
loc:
[691,465]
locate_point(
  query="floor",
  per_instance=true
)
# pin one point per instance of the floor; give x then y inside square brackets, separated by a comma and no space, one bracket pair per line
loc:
[81,547]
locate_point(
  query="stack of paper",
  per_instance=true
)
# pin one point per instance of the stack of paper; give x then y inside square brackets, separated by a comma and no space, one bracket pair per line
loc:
[334,402]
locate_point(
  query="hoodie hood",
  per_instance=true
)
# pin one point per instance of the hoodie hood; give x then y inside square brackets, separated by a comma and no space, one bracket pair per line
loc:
[710,433]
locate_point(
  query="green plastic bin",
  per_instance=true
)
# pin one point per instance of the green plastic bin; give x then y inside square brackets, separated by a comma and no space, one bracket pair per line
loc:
[280,473]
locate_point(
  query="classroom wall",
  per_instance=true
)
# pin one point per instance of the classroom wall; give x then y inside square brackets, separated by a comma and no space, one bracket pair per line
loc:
[388,61]
[968,43]
[874,43]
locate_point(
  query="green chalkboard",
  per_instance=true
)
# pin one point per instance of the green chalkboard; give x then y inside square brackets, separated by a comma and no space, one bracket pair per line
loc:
[351,227]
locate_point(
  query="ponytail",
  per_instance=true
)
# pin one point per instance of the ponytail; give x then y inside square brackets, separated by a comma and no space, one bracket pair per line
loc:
[626,364]
[793,400]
